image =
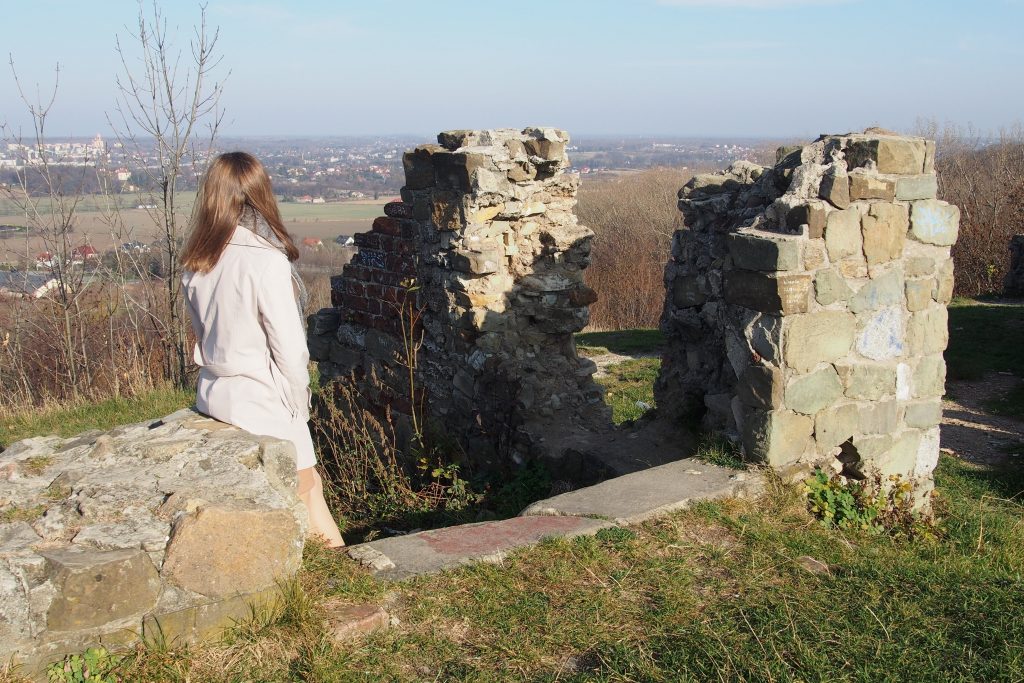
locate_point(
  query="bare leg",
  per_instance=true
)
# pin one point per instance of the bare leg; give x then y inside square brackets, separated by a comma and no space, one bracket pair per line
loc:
[311,491]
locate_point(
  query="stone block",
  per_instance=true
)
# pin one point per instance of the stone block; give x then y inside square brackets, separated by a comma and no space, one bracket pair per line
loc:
[220,552]
[884,290]
[928,331]
[943,292]
[867,381]
[934,222]
[836,425]
[810,393]
[923,414]
[350,621]
[768,293]
[919,266]
[95,587]
[927,453]
[752,251]
[884,231]
[446,210]
[879,417]
[817,337]
[864,186]
[835,187]
[890,154]
[476,262]
[760,386]
[831,287]
[776,437]
[880,334]
[843,234]
[929,377]
[919,293]
[687,292]
[811,214]
[902,457]
[419,169]
[912,188]
[815,254]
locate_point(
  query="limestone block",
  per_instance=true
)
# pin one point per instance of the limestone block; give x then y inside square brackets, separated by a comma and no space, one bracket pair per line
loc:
[928,331]
[817,337]
[868,381]
[929,377]
[99,586]
[831,287]
[943,292]
[776,437]
[889,154]
[477,262]
[923,414]
[812,392]
[919,266]
[768,293]
[220,552]
[934,222]
[911,188]
[835,187]
[885,230]
[866,186]
[919,293]
[836,425]
[878,417]
[759,251]
[842,234]
[927,453]
[815,254]
[812,214]
[760,386]
[884,290]
[880,334]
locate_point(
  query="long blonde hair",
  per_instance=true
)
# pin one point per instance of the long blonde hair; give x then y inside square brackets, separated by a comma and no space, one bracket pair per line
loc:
[233,181]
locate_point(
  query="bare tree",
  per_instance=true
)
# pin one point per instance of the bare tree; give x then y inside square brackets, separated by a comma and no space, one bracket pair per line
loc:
[168,115]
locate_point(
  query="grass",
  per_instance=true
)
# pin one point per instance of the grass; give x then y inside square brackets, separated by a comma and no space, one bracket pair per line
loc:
[982,340]
[67,421]
[626,342]
[630,387]
[714,593]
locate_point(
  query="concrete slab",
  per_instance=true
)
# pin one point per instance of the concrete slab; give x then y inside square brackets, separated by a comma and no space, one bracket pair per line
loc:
[427,552]
[642,495]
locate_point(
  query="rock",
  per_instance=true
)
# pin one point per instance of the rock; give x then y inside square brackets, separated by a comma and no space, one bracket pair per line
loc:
[865,186]
[889,154]
[934,222]
[476,262]
[929,377]
[768,293]
[880,335]
[843,234]
[830,287]
[17,537]
[97,587]
[836,424]
[885,290]
[919,294]
[867,381]
[812,565]
[760,386]
[927,456]
[817,337]
[219,552]
[879,417]
[810,393]
[910,188]
[835,187]
[923,414]
[762,251]
[885,230]
[777,437]
[943,292]
[346,622]
[928,331]
[687,292]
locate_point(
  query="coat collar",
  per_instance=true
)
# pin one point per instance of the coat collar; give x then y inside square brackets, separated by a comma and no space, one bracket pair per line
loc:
[244,237]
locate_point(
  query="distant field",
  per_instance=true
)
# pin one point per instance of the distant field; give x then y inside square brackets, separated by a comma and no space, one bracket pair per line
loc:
[323,221]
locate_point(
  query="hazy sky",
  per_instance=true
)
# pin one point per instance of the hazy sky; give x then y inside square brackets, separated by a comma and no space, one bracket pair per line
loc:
[670,67]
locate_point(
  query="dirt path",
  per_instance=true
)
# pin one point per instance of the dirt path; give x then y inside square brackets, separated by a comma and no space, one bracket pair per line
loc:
[972,433]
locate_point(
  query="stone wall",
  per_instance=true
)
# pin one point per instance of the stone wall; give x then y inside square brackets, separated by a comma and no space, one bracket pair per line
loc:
[484,254]
[170,528]
[1013,285]
[806,306]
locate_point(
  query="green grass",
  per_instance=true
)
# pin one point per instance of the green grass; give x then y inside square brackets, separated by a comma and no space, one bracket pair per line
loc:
[985,339]
[70,420]
[625,342]
[628,383]
[715,593]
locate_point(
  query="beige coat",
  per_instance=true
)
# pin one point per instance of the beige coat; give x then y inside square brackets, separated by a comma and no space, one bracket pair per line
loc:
[251,347]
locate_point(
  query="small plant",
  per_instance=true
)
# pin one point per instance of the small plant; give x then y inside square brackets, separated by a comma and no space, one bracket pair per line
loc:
[870,505]
[716,450]
[92,666]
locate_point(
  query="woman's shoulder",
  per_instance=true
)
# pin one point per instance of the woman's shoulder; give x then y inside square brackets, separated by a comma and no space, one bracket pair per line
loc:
[246,243]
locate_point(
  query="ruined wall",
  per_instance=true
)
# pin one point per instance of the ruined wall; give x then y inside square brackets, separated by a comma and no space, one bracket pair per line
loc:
[485,247]
[1013,285]
[806,306]
[170,528]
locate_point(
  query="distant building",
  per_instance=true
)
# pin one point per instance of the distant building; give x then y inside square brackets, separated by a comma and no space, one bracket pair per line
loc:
[312,243]
[26,284]
[318,200]
[304,199]
[84,254]
[345,240]
[45,259]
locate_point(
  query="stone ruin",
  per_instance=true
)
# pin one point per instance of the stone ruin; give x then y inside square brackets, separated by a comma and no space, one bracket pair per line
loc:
[806,307]
[805,312]
[168,529]
[1013,284]
[486,248]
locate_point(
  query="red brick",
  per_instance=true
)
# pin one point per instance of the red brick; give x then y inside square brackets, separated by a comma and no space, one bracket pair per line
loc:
[387,226]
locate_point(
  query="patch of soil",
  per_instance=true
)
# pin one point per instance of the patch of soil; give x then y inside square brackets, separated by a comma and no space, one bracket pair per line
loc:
[974,434]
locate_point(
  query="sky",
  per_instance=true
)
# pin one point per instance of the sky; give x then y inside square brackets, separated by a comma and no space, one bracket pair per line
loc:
[771,68]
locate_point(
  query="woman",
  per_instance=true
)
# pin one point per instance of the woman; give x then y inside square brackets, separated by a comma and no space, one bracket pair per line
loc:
[239,287]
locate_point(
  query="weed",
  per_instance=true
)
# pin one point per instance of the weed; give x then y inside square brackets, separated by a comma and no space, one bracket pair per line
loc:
[95,665]
[21,514]
[869,505]
[717,450]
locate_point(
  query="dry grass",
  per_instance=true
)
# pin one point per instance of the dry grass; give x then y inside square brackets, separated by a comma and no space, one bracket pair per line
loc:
[633,219]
